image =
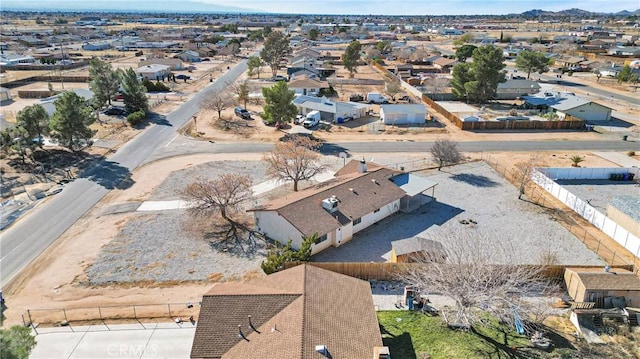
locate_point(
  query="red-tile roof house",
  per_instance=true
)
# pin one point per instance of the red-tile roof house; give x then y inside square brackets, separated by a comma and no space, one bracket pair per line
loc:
[289,314]
[360,195]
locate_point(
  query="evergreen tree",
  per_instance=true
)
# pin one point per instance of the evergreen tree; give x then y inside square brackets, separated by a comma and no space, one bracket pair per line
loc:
[253,64]
[532,61]
[276,46]
[105,82]
[478,80]
[351,56]
[35,120]
[278,106]
[71,121]
[135,97]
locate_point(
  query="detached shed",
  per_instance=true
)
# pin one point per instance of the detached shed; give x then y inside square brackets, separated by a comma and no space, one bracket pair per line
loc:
[5,94]
[417,249]
[403,114]
[600,286]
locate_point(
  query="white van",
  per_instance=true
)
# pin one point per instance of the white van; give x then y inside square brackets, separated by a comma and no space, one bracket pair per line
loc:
[376,97]
[312,119]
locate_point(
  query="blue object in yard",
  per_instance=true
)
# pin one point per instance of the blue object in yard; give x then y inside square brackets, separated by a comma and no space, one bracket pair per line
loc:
[625,177]
[340,120]
[410,302]
[519,326]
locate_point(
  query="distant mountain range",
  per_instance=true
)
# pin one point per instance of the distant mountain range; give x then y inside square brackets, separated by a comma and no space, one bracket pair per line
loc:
[156,6]
[574,13]
[179,6]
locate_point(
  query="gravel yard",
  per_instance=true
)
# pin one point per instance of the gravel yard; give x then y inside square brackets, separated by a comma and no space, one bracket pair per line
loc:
[601,193]
[472,191]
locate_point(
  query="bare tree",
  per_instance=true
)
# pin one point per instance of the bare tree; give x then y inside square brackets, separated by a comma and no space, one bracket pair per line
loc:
[241,91]
[393,88]
[445,151]
[523,172]
[218,103]
[221,200]
[480,277]
[294,161]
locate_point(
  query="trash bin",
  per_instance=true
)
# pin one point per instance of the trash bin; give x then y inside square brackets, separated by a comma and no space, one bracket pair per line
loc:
[624,138]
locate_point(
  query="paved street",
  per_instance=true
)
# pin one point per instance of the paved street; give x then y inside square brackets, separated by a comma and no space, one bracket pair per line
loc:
[28,237]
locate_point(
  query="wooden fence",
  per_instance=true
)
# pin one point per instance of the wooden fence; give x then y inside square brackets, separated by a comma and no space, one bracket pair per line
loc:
[394,271]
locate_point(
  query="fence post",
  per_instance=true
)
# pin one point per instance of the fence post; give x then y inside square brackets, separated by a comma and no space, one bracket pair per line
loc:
[135,315]
[100,314]
[169,307]
[613,259]
[30,320]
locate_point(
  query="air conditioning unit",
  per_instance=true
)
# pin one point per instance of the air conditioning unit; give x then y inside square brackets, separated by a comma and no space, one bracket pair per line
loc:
[330,204]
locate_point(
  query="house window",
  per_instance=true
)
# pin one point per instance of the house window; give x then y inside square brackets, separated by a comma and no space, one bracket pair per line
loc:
[377,210]
[321,239]
[357,221]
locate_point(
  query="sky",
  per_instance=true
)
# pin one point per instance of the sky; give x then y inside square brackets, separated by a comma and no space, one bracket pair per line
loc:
[427,7]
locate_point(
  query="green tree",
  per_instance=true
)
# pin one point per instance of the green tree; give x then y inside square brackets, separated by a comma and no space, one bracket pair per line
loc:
[278,256]
[254,63]
[15,140]
[480,82]
[626,75]
[134,94]
[241,90]
[464,52]
[313,34]
[16,342]
[461,75]
[384,46]
[105,82]
[276,46]
[532,61]
[278,106]
[35,120]
[71,121]
[351,57]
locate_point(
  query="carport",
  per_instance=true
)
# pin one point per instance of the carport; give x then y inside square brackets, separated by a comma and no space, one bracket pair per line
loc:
[414,186]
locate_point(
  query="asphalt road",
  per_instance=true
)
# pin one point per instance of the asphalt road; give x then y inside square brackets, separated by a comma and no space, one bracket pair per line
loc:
[604,94]
[21,243]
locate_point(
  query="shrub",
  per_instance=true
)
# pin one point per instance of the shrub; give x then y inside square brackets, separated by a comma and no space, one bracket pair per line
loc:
[136,118]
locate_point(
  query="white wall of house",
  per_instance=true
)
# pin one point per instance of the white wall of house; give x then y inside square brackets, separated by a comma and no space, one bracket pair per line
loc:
[590,112]
[345,233]
[403,118]
[306,91]
[276,227]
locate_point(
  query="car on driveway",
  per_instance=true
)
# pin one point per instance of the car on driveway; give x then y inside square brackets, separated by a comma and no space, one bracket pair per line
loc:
[183,77]
[298,120]
[115,111]
[279,78]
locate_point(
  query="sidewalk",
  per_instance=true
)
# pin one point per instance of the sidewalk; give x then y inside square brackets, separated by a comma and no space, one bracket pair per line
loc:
[153,340]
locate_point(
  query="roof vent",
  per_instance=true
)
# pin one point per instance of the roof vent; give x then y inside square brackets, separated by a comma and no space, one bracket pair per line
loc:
[330,204]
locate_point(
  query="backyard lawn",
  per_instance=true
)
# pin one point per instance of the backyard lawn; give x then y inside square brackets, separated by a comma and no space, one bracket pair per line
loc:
[412,335]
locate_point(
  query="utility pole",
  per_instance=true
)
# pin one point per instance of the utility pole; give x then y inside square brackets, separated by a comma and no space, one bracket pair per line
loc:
[61,62]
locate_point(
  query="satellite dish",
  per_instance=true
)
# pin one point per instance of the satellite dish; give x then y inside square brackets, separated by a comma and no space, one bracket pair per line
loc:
[342,155]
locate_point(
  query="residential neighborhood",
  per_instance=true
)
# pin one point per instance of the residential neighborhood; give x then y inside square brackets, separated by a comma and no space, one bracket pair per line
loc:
[227,182]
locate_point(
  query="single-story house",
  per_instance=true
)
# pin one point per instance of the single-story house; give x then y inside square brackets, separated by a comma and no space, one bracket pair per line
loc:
[329,110]
[154,72]
[5,94]
[569,104]
[50,108]
[417,249]
[360,195]
[174,63]
[15,59]
[190,56]
[624,51]
[307,85]
[301,312]
[403,114]
[96,46]
[597,284]
[512,89]
[444,64]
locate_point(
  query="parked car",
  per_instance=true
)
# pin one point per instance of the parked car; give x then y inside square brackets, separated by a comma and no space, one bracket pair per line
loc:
[242,112]
[298,120]
[356,98]
[115,111]
[375,97]
[183,77]
[118,97]
[279,78]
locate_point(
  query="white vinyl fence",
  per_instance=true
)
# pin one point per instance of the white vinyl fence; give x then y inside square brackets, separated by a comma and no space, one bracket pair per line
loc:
[545,178]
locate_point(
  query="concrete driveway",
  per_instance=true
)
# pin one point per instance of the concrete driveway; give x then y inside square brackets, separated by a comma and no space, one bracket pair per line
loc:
[152,340]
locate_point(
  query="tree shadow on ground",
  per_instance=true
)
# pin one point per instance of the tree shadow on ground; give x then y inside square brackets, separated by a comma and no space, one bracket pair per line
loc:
[491,348]
[109,175]
[400,346]
[333,149]
[474,180]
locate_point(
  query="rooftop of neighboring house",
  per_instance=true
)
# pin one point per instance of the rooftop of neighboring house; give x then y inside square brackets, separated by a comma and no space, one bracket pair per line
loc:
[561,101]
[614,279]
[291,312]
[305,81]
